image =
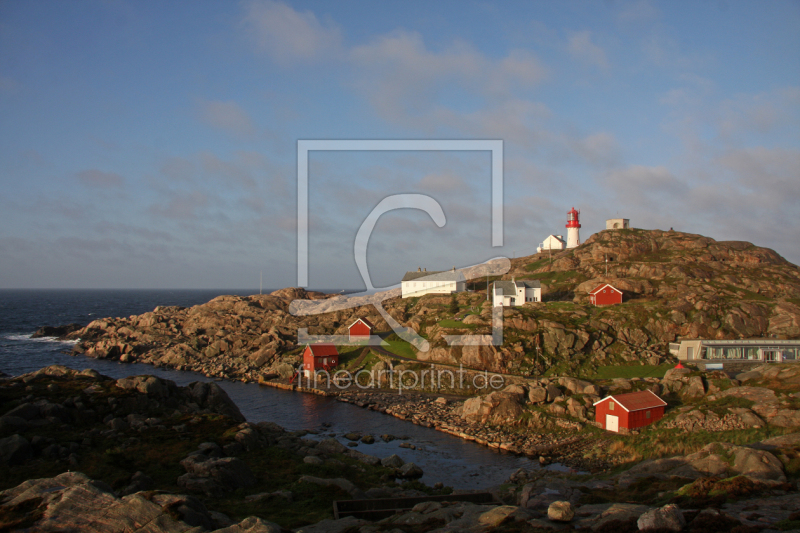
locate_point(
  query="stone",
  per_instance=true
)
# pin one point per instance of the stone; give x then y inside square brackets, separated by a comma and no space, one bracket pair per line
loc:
[312,460]
[15,450]
[537,395]
[341,483]
[668,518]
[211,396]
[26,411]
[560,511]
[150,385]
[331,446]
[393,461]
[227,473]
[410,471]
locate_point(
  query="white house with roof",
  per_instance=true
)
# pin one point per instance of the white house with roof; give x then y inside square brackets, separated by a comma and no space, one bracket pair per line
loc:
[422,282]
[552,242]
[513,293]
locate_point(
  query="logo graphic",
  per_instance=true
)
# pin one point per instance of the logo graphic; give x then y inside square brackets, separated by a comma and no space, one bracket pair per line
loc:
[374,296]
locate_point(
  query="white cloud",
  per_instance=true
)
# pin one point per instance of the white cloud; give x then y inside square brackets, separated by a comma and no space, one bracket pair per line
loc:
[227,116]
[402,78]
[580,45]
[288,35]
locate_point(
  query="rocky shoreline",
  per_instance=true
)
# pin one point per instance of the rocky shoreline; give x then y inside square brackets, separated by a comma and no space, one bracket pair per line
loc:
[83,452]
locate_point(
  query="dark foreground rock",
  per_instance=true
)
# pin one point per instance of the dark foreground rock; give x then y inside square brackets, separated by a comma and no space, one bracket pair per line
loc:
[74,502]
[58,332]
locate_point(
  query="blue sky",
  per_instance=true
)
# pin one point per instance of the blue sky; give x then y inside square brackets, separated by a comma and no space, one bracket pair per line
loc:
[153,144]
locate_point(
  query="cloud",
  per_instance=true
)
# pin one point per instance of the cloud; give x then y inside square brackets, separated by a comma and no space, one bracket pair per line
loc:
[288,35]
[646,186]
[403,79]
[97,178]
[180,206]
[581,47]
[227,116]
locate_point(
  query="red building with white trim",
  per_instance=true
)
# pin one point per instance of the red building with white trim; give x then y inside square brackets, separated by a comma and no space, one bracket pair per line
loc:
[605,294]
[360,330]
[319,357]
[621,412]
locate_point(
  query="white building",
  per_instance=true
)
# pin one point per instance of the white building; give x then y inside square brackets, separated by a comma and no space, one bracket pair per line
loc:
[553,242]
[618,223]
[422,282]
[721,353]
[513,293]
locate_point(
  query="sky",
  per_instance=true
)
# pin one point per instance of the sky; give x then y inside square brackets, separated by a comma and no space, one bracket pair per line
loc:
[150,144]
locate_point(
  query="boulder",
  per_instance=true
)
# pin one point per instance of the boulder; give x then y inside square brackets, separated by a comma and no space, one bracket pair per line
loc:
[669,518]
[393,461]
[341,483]
[560,511]
[211,396]
[331,446]
[537,395]
[150,385]
[26,411]
[226,473]
[15,450]
[496,408]
[410,471]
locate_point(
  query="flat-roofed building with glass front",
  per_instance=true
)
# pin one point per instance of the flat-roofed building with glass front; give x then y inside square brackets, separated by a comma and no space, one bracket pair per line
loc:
[722,354]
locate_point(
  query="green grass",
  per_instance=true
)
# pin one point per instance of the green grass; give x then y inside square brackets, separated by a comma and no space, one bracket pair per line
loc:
[455,324]
[639,371]
[401,348]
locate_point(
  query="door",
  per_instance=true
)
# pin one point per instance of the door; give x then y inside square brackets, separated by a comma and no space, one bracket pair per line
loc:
[612,423]
[771,355]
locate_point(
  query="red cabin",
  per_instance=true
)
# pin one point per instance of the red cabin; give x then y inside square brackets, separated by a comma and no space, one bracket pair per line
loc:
[605,294]
[319,357]
[622,412]
[360,330]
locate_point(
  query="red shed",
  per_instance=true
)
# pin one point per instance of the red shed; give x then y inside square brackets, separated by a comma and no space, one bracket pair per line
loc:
[360,330]
[605,294]
[629,411]
[319,357]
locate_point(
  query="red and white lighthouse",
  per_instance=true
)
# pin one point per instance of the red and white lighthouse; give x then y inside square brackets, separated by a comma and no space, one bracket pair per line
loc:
[573,225]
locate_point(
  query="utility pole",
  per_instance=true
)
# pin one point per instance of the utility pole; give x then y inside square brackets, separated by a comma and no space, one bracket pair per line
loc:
[606,265]
[261,282]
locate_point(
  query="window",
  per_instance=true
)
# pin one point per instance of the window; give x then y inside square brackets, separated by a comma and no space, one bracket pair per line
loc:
[610,406]
[647,414]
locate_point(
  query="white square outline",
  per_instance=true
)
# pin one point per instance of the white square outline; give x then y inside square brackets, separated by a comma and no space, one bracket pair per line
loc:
[391,145]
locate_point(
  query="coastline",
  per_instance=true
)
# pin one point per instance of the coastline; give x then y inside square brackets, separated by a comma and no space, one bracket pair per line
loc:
[421,408]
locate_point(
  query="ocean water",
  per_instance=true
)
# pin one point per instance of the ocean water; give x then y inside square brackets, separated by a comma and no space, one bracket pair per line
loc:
[444,458]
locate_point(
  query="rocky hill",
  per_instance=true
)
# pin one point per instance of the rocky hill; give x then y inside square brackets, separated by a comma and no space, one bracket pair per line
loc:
[676,285]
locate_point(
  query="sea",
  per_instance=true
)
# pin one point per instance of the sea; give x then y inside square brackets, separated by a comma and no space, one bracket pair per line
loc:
[444,458]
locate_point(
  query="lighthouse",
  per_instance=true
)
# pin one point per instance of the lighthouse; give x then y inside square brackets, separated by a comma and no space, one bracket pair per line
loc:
[573,225]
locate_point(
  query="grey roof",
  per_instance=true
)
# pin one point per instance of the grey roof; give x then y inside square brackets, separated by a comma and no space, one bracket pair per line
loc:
[439,275]
[747,342]
[510,287]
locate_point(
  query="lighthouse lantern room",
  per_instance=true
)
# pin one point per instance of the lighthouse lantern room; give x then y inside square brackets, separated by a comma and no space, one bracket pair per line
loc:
[573,225]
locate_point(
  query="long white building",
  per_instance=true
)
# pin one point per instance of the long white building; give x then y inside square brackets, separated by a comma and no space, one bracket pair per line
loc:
[422,282]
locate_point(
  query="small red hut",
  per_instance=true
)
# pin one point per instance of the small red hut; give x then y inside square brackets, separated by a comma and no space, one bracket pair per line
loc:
[360,330]
[605,294]
[319,357]
[629,411]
